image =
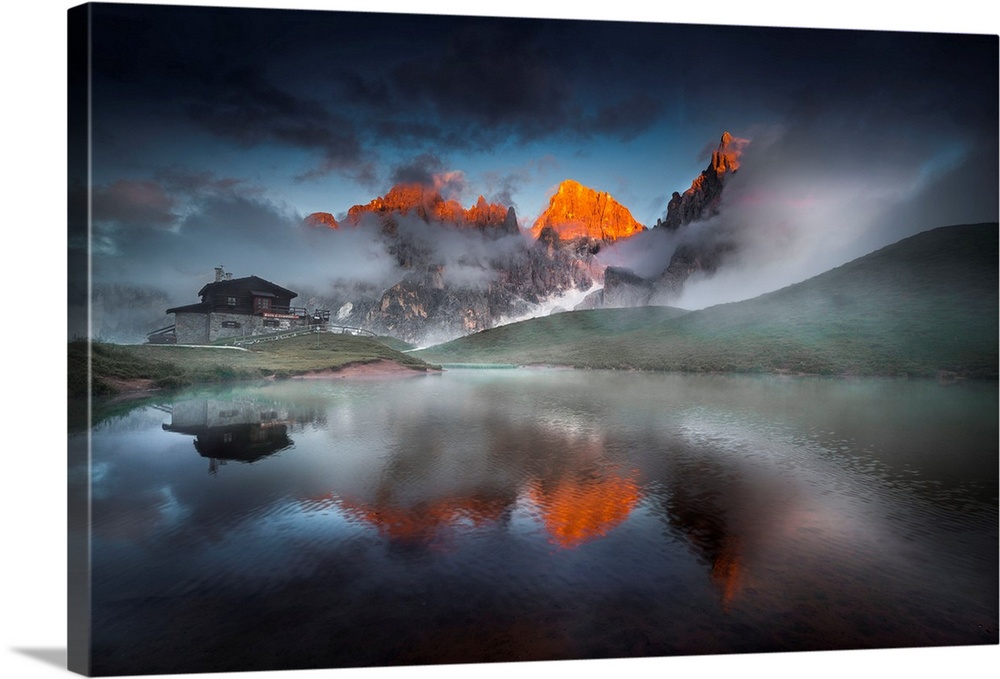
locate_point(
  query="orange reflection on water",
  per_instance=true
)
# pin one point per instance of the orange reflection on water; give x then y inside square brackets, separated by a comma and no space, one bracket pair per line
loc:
[727,570]
[582,507]
[425,520]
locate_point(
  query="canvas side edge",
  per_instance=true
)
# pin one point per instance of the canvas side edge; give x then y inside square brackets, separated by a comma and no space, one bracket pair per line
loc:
[78,446]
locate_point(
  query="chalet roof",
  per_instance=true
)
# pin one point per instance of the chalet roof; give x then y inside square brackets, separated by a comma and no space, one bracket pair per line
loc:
[252,284]
[200,307]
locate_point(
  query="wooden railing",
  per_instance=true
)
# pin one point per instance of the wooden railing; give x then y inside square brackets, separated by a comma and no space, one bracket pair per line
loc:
[299,311]
[297,332]
[162,336]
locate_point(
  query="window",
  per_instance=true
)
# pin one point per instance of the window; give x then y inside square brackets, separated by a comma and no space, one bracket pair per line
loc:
[231,301]
[271,322]
[261,303]
[230,324]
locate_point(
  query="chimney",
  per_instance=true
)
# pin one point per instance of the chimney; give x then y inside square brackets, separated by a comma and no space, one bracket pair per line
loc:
[229,276]
[218,274]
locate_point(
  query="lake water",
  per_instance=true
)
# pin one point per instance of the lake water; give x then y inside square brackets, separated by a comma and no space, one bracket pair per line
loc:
[498,515]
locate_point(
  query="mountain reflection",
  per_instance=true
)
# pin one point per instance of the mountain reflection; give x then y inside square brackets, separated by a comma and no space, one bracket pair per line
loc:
[426,521]
[585,506]
[428,488]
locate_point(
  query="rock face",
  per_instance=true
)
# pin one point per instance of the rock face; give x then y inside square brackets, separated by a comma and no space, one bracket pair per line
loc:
[703,254]
[321,219]
[463,270]
[427,204]
[622,288]
[576,212]
[460,270]
[689,259]
[702,199]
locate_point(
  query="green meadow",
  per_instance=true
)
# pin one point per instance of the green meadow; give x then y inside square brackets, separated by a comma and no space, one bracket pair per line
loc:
[925,306]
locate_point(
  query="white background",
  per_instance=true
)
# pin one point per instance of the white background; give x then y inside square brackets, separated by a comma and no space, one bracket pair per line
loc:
[33,543]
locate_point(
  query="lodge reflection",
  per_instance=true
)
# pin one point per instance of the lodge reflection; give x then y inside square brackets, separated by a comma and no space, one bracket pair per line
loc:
[233,431]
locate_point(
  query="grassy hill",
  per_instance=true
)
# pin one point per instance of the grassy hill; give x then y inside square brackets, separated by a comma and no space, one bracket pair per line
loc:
[114,365]
[924,306]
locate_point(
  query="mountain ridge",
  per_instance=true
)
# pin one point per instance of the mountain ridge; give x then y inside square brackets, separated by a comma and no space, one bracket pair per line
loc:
[515,272]
[924,306]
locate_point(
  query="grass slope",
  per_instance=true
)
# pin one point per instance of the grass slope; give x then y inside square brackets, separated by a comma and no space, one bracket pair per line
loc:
[545,340]
[176,366]
[924,306]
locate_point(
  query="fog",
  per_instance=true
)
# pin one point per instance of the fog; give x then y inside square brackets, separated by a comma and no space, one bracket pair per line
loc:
[807,198]
[804,201]
[156,245]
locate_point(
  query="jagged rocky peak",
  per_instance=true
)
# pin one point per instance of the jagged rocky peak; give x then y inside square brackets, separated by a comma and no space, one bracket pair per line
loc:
[579,212]
[702,199]
[427,203]
[318,219]
[727,157]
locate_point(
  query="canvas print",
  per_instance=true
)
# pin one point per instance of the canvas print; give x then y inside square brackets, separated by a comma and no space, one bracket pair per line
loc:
[403,339]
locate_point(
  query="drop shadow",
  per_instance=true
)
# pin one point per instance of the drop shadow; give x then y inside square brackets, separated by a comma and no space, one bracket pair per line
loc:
[57,657]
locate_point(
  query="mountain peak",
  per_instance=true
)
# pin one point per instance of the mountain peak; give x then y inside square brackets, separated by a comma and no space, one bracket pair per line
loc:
[702,199]
[427,203]
[577,211]
[318,219]
[727,157]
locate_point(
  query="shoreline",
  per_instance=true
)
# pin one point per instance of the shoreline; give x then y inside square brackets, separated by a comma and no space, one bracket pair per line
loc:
[380,369]
[363,371]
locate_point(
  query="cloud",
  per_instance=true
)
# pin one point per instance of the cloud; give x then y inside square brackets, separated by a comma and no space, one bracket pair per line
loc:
[251,111]
[420,170]
[134,204]
[814,195]
[627,118]
[646,254]
[492,74]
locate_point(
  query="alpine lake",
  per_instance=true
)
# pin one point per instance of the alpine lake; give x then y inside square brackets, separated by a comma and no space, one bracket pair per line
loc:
[516,514]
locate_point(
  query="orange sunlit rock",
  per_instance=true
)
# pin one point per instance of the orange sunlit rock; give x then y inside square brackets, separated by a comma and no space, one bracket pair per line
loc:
[427,203]
[318,219]
[727,157]
[577,211]
[580,508]
[486,213]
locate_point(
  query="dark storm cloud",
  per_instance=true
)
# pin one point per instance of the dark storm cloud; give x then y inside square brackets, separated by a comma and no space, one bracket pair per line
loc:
[628,117]
[493,74]
[250,110]
[221,69]
[420,170]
